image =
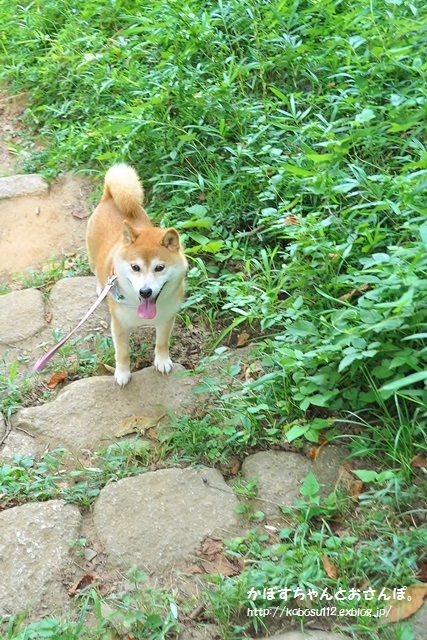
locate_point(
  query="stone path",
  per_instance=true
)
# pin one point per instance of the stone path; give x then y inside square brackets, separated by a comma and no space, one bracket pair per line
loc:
[155,521]
[39,222]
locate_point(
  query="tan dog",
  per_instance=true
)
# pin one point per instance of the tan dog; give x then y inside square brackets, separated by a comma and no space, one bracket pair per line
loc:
[148,262]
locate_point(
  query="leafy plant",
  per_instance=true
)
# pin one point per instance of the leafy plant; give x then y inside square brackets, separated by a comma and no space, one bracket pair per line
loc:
[28,480]
[52,271]
[13,387]
[317,553]
[145,612]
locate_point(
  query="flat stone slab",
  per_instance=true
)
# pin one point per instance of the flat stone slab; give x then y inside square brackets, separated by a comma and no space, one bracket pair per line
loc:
[159,519]
[70,299]
[281,473]
[16,444]
[34,549]
[87,413]
[22,186]
[418,622]
[21,316]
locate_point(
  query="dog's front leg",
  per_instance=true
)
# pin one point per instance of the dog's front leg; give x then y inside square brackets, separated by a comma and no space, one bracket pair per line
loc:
[120,337]
[162,361]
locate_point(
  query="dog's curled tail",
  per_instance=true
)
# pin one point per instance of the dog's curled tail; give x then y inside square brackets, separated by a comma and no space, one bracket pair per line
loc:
[123,185]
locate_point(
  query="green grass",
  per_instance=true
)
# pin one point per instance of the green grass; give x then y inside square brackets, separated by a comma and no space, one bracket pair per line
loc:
[286,142]
[146,612]
[57,475]
[53,270]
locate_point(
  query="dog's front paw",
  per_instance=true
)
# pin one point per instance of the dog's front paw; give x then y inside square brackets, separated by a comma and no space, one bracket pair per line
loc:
[122,376]
[164,365]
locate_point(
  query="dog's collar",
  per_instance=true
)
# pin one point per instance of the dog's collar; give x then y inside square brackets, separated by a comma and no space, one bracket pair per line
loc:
[116,294]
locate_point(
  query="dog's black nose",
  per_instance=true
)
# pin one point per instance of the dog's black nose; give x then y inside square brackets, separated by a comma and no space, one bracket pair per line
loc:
[145,293]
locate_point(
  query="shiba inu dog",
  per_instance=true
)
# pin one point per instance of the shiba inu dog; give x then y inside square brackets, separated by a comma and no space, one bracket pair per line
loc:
[147,262]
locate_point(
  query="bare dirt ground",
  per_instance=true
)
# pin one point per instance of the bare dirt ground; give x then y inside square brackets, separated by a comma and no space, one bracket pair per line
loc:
[34,229]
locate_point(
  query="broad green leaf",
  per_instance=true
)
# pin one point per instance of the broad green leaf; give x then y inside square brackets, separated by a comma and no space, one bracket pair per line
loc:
[310,487]
[319,157]
[366,115]
[318,400]
[197,210]
[296,431]
[279,94]
[366,475]
[297,171]
[199,223]
[210,247]
[413,378]
[174,609]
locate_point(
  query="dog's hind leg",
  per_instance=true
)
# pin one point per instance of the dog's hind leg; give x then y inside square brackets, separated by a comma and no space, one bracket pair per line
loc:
[162,361]
[120,337]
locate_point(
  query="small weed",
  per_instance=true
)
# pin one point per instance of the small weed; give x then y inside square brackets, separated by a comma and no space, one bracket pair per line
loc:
[82,357]
[28,480]
[53,270]
[330,546]
[145,612]
[13,387]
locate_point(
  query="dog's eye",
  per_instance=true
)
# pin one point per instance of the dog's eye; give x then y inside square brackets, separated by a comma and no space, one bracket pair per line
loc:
[159,267]
[136,267]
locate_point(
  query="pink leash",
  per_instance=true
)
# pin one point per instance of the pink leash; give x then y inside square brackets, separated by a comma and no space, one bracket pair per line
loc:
[43,360]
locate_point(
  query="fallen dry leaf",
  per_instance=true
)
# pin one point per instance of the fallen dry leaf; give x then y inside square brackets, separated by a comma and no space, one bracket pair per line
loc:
[419,461]
[48,317]
[422,570]
[242,339]
[56,379]
[313,453]
[83,582]
[7,504]
[246,373]
[109,368]
[290,220]
[355,292]
[193,568]
[329,567]
[197,611]
[236,468]
[213,560]
[210,548]
[223,566]
[342,533]
[356,488]
[402,609]
[345,477]
[138,424]
[335,523]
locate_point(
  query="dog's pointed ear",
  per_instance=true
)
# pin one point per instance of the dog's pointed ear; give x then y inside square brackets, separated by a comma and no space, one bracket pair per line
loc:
[171,240]
[129,233]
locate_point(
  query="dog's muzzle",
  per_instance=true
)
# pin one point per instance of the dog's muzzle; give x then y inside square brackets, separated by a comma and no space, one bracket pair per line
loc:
[145,293]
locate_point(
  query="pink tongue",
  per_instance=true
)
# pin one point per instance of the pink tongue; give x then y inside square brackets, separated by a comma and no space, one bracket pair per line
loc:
[147,309]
